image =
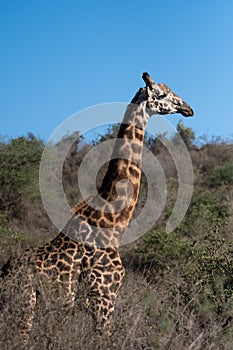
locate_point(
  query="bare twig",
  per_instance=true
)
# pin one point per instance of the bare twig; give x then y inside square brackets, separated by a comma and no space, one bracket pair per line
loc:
[191,346]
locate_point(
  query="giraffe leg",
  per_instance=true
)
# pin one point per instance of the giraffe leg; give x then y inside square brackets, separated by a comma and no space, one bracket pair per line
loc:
[18,300]
[106,281]
[25,315]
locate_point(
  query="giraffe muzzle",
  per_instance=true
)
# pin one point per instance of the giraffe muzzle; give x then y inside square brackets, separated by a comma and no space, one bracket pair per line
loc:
[186,110]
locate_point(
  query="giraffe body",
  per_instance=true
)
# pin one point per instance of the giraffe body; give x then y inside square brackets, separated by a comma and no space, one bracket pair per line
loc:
[87,247]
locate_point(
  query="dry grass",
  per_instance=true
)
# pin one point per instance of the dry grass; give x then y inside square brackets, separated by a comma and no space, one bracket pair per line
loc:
[147,316]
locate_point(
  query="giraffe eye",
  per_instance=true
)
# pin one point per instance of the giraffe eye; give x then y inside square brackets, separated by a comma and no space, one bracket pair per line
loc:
[160,97]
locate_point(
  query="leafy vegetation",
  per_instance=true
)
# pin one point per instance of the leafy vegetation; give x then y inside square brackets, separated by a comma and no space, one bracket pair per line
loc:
[19,171]
[222,175]
[187,134]
[178,290]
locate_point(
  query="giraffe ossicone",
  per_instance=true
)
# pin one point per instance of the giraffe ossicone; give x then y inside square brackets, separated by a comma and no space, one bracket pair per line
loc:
[88,243]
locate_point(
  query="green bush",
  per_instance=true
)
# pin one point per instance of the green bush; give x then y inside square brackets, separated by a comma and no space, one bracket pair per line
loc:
[211,266]
[19,159]
[187,134]
[222,175]
[162,251]
[207,213]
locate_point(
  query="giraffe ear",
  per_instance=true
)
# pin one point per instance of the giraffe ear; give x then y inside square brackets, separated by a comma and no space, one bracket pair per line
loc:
[150,82]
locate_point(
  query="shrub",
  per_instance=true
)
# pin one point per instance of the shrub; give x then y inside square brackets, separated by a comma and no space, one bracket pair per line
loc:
[162,251]
[222,175]
[210,265]
[187,134]
[20,159]
[206,213]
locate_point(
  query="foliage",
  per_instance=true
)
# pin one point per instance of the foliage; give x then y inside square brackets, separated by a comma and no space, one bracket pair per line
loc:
[7,230]
[111,133]
[178,290]
[161,251]
[206,213]
[222,175]
[187,134]
[214,263]
[19,159]
[71,163]
[155,144]
[198,252]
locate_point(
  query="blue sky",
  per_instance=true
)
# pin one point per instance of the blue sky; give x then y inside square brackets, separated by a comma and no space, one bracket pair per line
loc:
[58,57]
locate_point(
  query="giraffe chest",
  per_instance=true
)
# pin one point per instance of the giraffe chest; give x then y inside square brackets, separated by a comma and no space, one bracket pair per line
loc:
[62,266]
[57,279]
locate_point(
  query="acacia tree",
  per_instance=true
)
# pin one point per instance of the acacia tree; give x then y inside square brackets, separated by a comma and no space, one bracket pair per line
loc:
[187,134]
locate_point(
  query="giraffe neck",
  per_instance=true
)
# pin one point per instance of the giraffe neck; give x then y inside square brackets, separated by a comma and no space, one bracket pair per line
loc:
[101,220]
[121,182]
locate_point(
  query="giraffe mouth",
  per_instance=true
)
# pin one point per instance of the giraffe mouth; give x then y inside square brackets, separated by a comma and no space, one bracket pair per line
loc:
[186,110]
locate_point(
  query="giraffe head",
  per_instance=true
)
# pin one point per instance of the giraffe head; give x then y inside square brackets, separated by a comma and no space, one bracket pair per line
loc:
[160,99]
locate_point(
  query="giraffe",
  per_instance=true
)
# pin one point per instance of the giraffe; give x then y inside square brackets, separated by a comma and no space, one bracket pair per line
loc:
[87,247]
